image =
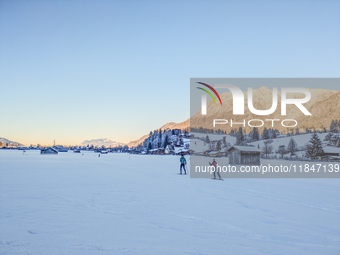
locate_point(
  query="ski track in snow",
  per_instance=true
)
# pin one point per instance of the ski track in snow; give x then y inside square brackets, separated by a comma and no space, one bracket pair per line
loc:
[74,204]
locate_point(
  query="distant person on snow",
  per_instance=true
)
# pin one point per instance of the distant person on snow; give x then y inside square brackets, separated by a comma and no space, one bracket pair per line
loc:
[214,163]
[183,163]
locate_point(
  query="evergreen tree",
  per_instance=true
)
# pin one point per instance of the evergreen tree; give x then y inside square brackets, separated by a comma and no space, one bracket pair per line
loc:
[218,146]
[255,134]
[250,136]
[314,147]
[328,137]
[297,132]
[166,141]
[292,146]
[338,142]
[240,137]
[265,134]
[224,140]
[207,140]
[333,127]
[274,134]
[334,139]
[160,139]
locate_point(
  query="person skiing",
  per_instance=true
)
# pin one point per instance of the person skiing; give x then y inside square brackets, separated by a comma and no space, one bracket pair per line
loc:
[183,163]
[214,163]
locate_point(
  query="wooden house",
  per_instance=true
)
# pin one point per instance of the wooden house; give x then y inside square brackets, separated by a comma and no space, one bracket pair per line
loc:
[330,153]
[246,155]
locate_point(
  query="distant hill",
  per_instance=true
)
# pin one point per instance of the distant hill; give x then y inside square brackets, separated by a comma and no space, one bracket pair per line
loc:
[135,143]
[171,125]
[101,142]
[10,143]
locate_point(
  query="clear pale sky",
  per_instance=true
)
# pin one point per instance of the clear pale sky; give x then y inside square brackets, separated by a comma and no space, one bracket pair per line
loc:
[76,70]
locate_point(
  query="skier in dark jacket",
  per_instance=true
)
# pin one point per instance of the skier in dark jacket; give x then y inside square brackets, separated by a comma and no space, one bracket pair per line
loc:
[183,163]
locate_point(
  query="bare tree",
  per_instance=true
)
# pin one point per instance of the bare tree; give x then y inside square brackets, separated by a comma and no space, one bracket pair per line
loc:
[267,148]
[282,150]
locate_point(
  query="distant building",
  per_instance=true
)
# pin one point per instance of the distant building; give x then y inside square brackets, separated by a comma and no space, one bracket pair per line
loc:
[246,155]
[60,148]
[48,150]
[169,149]
[214,154]
[158,151]
[330,153]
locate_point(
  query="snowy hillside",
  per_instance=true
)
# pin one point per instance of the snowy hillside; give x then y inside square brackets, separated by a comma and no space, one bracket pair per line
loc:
[124,204]
[198,144]
[301,140]
[101,142]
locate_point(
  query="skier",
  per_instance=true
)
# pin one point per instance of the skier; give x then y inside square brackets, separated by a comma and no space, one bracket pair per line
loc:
[183,163]
[214,163]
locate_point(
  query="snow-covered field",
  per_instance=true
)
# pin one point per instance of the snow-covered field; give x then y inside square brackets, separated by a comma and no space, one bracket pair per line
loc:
[120,204]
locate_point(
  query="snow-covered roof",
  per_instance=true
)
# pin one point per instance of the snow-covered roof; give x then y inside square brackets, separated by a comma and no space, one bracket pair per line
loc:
[49,148]
[180,149]
[213,152]
[334,157]
[329,149]
[159,149]
[245,148]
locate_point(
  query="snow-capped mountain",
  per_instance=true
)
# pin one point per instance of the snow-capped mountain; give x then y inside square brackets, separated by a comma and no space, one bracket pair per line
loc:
[101,142]
[5,141]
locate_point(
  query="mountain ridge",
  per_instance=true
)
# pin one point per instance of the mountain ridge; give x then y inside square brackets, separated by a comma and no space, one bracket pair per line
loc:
[101,142]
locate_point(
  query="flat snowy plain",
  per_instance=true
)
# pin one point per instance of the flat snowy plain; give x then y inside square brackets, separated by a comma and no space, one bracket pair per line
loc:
[119,204]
